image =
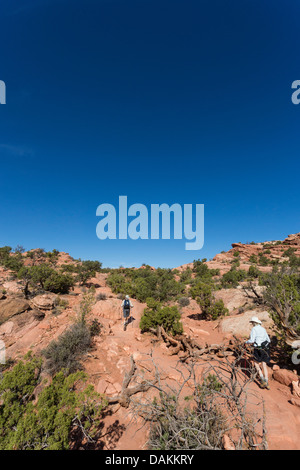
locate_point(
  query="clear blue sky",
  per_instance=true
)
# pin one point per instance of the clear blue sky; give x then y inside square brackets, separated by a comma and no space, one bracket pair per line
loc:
[161,100]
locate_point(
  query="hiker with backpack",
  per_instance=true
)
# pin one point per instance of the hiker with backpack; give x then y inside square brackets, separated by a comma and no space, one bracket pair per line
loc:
[126,305]
[260,340]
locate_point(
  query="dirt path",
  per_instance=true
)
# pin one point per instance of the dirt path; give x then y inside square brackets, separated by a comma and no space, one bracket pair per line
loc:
[282,418]
[110,360]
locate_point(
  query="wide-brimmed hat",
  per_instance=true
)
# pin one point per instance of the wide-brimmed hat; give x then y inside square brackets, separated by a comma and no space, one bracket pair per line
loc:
[255,320]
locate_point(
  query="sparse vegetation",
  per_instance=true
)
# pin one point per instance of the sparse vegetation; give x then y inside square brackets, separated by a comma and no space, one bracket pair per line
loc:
[183,301]
[233,277]
[66,352]
[283,298]
[157,315]
[59,414]
[211,308]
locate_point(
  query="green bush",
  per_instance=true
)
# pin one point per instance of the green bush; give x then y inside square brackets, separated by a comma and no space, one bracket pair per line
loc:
[157,315]
[263,260]
[211,308]
[143,283]
[86,270]
[253,259]
[58,416]
[217,309]
[59,283]
[233,277]
[282,295]
[253,272]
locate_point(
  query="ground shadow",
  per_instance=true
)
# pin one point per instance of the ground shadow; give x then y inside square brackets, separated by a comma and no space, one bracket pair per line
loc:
[103,439]
[196,316]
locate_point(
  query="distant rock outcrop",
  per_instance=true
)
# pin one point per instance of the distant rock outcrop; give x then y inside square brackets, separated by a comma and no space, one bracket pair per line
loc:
[11,307]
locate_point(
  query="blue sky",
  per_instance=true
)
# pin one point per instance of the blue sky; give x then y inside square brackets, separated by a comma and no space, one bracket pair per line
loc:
[164,101]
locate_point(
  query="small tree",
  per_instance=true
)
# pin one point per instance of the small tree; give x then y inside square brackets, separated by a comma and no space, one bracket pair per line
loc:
[86,270]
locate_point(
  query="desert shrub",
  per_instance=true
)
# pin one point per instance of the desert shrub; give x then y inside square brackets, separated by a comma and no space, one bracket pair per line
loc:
[86,270]
[195,426]
[59,283]
[294,261]
[253,259]
[59,412]
[101,296]
[216,309]
[235,264]
[233,277]
[65,352]
[203,272]
[44,276]
[184,301]
[5,255]
[52,256]
[59,305]
[217,407]
[282,295]
[95,327]
[203,294]
[86,304]
[263,260]
[143,283]
[157,315]
[253,272]
[289,252]
[186,276]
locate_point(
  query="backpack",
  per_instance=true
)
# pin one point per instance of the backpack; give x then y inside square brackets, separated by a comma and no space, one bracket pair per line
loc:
[126,304]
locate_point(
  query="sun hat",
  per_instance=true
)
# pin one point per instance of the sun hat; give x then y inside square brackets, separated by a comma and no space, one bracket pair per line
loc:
[255,320]
[127,297]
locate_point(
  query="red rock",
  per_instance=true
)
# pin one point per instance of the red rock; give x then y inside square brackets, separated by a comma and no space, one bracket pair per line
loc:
[284,376]
[102,386]
[295,401]
[227,443]
[296,388]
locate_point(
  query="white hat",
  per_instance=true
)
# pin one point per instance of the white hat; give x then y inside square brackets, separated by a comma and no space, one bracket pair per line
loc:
[127,297]
[255,320]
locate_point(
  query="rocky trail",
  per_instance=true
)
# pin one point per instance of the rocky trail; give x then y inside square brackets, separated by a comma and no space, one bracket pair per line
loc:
[24,328]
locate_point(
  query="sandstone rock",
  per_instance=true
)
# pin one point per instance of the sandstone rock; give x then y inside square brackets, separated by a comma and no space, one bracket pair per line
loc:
[44,301]
[275,367]
[102,386]
[110,390]
[232,298]
[12,307]
[295,401]
[13,287]
[296,388]
[239,324]
[117,386]
[227,443]
[198,331]
[6,328]
[285,377]
[109,308]
[38,314]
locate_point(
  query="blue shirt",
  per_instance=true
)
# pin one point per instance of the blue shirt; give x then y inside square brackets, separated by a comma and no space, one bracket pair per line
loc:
[258,335]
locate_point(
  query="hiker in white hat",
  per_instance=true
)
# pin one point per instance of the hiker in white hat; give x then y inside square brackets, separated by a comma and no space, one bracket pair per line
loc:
[259,338]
